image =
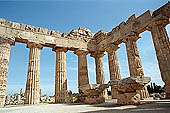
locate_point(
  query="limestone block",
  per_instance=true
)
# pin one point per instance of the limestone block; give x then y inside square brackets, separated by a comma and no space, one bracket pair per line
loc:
[40,38]
[62,42]
[131,18]
[50,39]
[130,84]
[94,100]
[42,30]
[29,28]
[26,35]
[2,21]
[23,26]
[164,10]
[55,33]
[2,31]
[8,23]
[16,25]
[93,89]
[128,98]
[64,34]
[142,21]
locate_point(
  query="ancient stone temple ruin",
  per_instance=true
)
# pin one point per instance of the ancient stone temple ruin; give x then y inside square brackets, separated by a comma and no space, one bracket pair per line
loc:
[83,42]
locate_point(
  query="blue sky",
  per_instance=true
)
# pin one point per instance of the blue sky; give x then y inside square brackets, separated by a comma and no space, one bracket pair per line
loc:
[71,14]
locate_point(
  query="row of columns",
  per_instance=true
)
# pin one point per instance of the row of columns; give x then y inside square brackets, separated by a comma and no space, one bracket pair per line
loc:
[32,92]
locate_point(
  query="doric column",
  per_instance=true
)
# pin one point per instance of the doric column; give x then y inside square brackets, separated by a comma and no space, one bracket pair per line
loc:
[5,45]
[61,75]
[32,92]
[134,61]
[100,75]
[113,66]
[162,48]
[82,68]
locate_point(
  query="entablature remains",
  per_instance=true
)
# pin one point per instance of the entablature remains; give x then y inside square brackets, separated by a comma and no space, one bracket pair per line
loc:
[84,39]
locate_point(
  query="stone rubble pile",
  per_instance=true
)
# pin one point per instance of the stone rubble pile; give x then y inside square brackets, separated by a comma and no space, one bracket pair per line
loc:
[46,98]
[15,99]
[127,89]
[81,34]
[19,98]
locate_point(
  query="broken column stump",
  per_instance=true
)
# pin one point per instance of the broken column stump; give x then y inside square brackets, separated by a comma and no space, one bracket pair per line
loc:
[127,89]
[92,93]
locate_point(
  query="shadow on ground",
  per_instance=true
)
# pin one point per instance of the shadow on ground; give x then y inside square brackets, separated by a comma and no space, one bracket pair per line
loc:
[155,107]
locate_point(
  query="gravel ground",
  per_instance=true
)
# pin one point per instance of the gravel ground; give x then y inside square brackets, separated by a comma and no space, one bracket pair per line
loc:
[161,106]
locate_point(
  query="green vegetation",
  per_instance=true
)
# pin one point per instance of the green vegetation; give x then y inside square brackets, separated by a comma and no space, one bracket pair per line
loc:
[109,97]
[75,99]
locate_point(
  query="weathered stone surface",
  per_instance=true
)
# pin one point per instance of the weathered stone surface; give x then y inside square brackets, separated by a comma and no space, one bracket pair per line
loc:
[143,93]
[128,89]
[96,100]
[128,98]
[32,91]
[113,67]
[162,48]
[82,68]
[134,61]
[5,46]
[92,93]
[164,10]
[100,75]
[130,84]
[96,45]
[61,75]
[82,34]
[93,89]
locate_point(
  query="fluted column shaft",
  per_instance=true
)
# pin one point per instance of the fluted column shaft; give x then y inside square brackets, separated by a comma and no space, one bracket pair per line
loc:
[134,61]
[61,75]
[5,46]
[32,92]
[100,75]
[82,68]
[113,67]
[162,48]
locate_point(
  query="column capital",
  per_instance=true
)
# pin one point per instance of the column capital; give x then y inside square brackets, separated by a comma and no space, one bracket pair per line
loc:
[161,22]
[34,45]
[112,47]
[133,36]
[81,52]
[59,49]
[97,54]
[7,40]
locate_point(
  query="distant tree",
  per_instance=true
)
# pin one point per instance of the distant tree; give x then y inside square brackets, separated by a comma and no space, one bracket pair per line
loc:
[153,88]
[109,92]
